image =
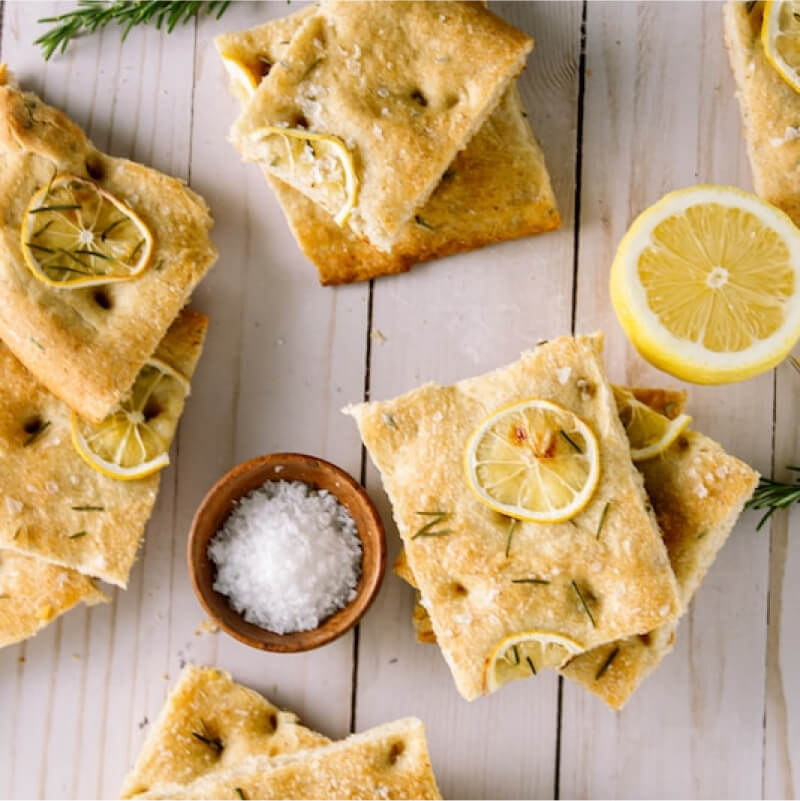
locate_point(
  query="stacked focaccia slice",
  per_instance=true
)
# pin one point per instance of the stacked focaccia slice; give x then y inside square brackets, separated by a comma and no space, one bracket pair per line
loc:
[438,168]
[217,739]
[770,109]
[97,258]
[628,564]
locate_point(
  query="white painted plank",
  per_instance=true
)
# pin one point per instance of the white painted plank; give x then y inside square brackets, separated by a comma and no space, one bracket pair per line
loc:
[660,114]
[782,716]
[448,320]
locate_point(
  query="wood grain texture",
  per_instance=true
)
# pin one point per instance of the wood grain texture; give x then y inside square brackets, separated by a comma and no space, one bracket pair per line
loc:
[283,355]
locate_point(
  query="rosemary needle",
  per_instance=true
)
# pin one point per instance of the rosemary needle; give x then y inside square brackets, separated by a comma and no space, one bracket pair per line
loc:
[92,15]
[584,604]
[773,495]
[607,664]
[569,439]
[602,520]
[511,526]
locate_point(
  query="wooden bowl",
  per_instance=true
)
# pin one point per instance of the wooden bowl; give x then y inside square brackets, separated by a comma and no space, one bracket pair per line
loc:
[218,504]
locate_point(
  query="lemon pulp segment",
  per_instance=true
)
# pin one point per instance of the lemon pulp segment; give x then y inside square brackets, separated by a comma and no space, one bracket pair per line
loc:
[132,442]
[534,460]
[75,234]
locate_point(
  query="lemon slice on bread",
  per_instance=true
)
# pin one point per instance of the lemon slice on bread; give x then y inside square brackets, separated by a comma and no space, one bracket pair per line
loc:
[133,442]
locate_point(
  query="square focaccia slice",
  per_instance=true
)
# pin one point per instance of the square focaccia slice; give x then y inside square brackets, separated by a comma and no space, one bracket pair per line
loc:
[372,101]
[571,585]
[697,491]
[770,109]
[210,723]
[97,255]
[497,188]
[55,505]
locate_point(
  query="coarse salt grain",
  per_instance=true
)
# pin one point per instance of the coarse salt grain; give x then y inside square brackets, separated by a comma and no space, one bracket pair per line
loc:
[287,557]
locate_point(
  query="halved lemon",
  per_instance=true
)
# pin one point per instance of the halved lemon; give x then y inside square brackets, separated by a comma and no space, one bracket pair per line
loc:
[246,74]
[133,442]
[533,460]
[524,654]
[75,234]
[325,159]
[706,285]
[780,35]
[649,432]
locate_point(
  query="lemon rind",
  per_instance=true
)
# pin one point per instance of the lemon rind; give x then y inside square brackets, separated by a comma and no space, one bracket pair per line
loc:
[769,30]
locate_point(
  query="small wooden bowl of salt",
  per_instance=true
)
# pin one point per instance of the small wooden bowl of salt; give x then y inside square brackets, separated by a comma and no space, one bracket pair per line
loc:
[286,552]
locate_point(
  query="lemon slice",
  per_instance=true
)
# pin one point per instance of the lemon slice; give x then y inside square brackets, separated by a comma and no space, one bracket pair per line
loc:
[521,655]
[649,432]
[247,74]
[780,35]
[705,284]
[133,442]
[318,155]
[75,234]
[534,460]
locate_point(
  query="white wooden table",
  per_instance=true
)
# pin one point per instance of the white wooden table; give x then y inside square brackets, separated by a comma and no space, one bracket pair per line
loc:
[628,101]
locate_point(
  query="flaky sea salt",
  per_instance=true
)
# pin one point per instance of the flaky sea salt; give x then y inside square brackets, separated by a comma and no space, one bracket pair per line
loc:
[287,557]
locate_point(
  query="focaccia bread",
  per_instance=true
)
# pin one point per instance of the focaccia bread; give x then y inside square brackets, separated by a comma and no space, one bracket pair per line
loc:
[389,761]
[417,442]
[54,505]
[85,347]
[34,592]
[698,492]
[207,726]
[496,189]
[770,110]
[396,83]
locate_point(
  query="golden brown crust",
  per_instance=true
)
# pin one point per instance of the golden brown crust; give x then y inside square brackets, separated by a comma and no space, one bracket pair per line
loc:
[207,701]
[49,478]
[389,761]
[417,442]
[397,83]
[83,353]
[34,592]
[770,110]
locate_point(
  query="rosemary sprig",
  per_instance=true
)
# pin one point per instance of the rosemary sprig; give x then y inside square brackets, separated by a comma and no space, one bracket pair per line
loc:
[35,434]
[607,664]
[529,581]
[583,603]
[428,529]
[511,526]
[602,520]
[207,738]
[91,15]
[569,439]
[773,495]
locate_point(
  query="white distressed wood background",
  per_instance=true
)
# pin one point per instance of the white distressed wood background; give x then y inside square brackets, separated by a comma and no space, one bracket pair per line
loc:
[629,100]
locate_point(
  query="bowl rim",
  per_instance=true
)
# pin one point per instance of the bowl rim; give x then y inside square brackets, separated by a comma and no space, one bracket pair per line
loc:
[371,535]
